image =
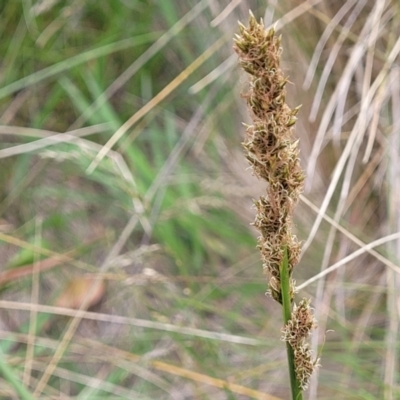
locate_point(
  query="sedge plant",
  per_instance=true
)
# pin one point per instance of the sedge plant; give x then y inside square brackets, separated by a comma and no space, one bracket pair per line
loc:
[273,154]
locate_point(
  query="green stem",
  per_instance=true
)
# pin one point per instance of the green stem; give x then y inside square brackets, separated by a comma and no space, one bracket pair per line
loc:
[287,313]
[9,375]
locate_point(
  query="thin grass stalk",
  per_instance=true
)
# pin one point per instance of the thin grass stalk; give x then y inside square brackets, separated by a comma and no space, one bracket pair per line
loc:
[10,376]
[287,315]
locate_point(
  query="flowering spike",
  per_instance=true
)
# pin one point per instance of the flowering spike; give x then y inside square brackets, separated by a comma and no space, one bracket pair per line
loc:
[273,155]
[296,333]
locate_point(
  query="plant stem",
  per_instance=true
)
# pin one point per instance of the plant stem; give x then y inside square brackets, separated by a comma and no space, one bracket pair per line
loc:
[286,303]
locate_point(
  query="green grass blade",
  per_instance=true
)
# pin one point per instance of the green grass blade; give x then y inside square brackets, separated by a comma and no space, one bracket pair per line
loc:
[62,66]
[9,375]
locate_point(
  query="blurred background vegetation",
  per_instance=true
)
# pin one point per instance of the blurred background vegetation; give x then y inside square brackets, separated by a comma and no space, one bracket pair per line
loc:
[152,240]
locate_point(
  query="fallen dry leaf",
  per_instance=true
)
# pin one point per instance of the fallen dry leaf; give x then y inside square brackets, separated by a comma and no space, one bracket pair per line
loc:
[78,288]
